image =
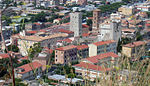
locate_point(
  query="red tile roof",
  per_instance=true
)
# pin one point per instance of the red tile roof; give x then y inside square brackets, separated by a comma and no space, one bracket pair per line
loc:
[24,58]
[147,24]
[59,19]
[29,67]
[103,42]
[95,59]
[32,32]
[85,26]
[130,30]
[48,50]
[66,47]
[91,66]
[66,40]
[90,17]
[37,23]
[65,31]
[3,56]
[80,47]
[86,34]
[135,44]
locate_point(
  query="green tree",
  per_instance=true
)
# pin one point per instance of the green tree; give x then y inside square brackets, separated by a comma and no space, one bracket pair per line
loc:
[39,17]
[15,4]
[89,22]
[139,36]
[119,47]
[36,48]
[13,48]
[6,19]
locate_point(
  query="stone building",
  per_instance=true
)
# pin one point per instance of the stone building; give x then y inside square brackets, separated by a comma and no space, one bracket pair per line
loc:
[96,20]
[76,23]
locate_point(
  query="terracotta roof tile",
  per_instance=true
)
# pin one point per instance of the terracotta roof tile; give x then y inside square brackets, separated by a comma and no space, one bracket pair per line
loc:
[135,44]
[24,58]
[65,31]
[86,34]
[130,30]
[85,26]
[66,47]
[104,42]
[91,66]
[3,56]
[29,67]
[80,47]
[65,40]
[95,59]
[32,32]
[37,23]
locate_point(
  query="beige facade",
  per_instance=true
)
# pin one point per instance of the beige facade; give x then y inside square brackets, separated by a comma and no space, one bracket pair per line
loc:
[135,49]
[65,55]
[24,42]
[126,10]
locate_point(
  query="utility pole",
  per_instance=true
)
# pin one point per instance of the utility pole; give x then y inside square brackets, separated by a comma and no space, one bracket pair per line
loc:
[10,57]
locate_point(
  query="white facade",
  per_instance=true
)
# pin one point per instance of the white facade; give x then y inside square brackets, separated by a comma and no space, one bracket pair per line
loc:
[76,23]
[110,32]
[99,49]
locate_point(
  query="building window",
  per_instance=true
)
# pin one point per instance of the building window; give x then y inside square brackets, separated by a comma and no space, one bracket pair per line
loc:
[56,60]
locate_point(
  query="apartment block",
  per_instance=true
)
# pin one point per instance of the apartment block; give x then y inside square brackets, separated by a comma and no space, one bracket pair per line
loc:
[126,10]
[28,71]
[102,47]
[24,42]
[96,66]
[83,51]
[134,49]
[65,55]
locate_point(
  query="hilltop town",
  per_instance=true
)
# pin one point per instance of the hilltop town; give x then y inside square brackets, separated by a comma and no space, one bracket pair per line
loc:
[75,43]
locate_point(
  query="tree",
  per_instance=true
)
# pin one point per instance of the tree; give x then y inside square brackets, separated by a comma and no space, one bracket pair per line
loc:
[39,17]
[89,22]
[15,4]
[139,36]
[13,48]
[119,47]
[6,19]
[36,48]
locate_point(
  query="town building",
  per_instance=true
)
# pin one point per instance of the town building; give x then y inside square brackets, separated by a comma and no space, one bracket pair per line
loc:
[126,10]
[110,31]
[128,33]
[96,20]
[24,42]
[66,55]
[83,51]
[96,66]
[143,7]
[82,2]
[44,58]
[135,49]
[102,47]
[28,71]
[76,23]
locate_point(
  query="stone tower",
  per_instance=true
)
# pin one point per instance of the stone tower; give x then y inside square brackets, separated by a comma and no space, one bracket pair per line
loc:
[116,30]
[76,23]
[96,20]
